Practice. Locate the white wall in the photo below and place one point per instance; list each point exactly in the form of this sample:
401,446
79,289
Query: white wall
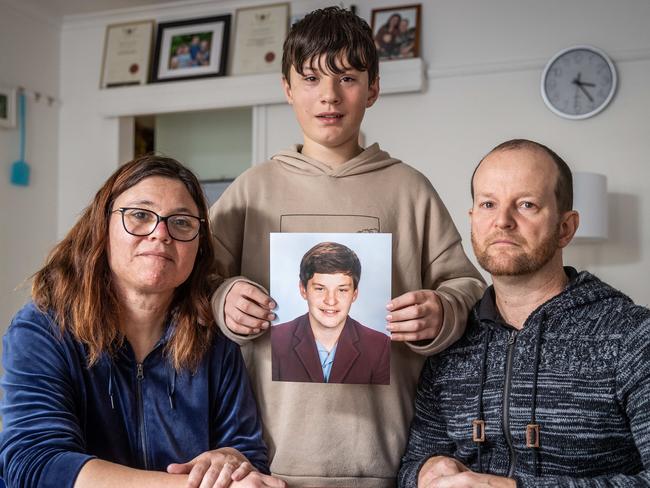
30,58
485,60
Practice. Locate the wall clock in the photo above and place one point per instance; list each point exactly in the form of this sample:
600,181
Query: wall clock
578,82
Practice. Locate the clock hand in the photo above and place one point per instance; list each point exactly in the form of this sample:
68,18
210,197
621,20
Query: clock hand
584,90
584,83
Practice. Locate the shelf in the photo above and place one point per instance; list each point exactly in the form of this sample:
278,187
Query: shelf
400,76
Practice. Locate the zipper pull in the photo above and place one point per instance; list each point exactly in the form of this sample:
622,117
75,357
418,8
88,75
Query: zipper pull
512,335
140,374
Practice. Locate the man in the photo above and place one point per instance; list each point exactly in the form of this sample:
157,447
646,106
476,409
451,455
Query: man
550,385
326,345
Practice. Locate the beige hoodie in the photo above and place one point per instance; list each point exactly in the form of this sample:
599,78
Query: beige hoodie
336,434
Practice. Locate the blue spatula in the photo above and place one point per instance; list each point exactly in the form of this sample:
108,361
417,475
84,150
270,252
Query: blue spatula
20,168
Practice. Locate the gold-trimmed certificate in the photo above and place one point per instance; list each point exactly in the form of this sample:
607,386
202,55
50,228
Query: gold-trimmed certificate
127,50
259,35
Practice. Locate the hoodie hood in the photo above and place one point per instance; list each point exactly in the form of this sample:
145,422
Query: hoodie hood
371,159
583,289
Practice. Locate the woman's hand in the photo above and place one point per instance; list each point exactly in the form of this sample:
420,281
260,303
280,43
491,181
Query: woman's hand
214,469
258,480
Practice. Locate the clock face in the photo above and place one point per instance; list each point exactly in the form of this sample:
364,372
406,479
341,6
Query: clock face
578,82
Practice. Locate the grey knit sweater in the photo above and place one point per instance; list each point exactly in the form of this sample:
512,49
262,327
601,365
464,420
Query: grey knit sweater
579,368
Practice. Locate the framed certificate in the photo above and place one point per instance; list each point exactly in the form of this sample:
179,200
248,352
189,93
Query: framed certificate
191,48
127,50
259,35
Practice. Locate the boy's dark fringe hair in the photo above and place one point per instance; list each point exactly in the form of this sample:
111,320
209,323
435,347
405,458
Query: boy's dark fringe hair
330,258
337,33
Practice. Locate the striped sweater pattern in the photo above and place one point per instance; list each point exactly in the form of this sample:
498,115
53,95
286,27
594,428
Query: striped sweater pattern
579,368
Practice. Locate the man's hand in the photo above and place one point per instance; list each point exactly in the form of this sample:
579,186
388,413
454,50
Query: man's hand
469,479
257,480
214,469
415,316
436,467
247,309
446,472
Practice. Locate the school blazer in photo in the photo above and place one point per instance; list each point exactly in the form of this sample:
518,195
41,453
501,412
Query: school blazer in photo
362,354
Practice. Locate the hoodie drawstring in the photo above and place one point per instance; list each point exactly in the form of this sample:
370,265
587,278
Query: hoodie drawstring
533,428
478,425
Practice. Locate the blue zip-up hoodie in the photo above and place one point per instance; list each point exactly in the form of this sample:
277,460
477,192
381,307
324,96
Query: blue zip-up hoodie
58,413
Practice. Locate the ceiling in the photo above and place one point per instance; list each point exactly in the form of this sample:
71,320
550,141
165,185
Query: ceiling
70,7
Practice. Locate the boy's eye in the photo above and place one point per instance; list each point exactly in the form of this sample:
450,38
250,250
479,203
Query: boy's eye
347,79
309,78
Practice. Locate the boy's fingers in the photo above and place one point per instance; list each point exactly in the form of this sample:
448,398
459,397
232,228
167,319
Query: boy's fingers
416,325
411,336
405,300
242,289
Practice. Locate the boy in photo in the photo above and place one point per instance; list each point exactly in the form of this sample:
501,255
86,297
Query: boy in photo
339,435
326,345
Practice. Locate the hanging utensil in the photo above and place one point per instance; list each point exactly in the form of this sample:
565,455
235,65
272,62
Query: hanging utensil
20,168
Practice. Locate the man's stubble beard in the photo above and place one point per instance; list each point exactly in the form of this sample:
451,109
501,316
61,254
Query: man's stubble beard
519,264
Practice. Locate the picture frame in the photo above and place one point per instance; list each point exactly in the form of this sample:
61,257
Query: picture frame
213,189
127,54
396,31
191,48
259,35
7,108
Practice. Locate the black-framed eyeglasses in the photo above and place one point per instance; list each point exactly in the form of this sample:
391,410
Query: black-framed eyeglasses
142,222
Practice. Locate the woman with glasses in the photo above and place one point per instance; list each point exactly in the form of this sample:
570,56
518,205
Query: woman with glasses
115,374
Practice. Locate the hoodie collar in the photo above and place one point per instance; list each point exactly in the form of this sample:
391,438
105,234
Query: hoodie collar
371,159
487,310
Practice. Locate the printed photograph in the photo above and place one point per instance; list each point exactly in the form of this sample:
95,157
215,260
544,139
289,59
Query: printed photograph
331,290
397,31
190,50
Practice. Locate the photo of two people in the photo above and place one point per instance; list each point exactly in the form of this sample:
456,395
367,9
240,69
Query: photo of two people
315,280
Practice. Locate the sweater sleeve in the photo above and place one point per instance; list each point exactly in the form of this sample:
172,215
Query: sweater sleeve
428,435
446,270
227,221
237,423
42,444
633,391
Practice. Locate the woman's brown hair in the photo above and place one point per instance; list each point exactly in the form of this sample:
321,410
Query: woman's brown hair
75,283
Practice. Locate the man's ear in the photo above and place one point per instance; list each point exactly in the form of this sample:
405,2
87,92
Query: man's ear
568,226
303,292
286,88
373,93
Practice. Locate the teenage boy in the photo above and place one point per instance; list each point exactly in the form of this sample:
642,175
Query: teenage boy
326,345
339,435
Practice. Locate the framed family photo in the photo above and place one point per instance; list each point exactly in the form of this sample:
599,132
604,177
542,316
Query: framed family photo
396,31
192,48
7,108
127,52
